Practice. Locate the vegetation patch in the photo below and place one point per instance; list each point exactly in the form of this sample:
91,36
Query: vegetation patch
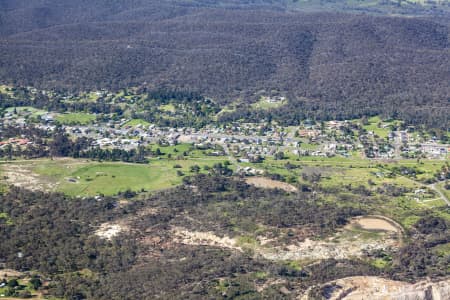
75,118
136,122
266,103
168,108
270,184
6,219
85,178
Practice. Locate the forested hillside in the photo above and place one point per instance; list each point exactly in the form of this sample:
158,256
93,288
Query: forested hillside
66,241
341,65
404,7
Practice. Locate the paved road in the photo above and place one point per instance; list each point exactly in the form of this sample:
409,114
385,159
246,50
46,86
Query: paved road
437,190
231,158
433,187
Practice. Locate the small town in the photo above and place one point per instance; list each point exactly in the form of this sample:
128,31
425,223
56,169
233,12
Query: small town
225,149
250,142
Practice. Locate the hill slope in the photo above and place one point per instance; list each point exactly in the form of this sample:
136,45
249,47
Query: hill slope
341,62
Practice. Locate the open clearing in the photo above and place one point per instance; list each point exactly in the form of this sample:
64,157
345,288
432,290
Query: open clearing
75,118
181,235
77,177
266,103
108,231
374,223
377,288
346,243
136,122
270,184
377,177
24,177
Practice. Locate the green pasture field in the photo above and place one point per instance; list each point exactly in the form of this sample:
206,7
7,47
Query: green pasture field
4,89
136,122
338,172
89,178
26,109
373,126
75,118
441,187
177,151
265,105
168,107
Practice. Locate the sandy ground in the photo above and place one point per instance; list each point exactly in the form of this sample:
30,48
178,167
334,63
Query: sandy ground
183,236
377,288
5,273
344,244
318,250
270,184
376,223
108,230
23,177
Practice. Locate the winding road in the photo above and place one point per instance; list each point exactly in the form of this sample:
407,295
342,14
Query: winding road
437,190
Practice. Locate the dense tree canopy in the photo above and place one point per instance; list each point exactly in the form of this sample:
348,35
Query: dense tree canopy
328,65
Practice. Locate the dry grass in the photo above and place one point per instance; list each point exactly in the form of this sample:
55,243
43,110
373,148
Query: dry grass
270,184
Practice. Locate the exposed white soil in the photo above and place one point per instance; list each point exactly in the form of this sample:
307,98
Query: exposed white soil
344,244
21,176
109,231
317,250
5,273
263,182
183,236
376,288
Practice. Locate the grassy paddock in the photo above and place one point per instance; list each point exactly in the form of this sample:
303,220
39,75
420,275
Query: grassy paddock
168,107
264,104
88,178
75,118
136,122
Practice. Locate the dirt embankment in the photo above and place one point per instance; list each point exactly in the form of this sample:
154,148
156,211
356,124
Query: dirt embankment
187,237
360,237
109,230
5,273
376,288
376,224
23,176
267,183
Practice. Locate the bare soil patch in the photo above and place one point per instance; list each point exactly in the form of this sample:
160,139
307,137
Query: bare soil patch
343,245
109,231
377,288
198,238
5,273
23,176
333,248
270,184
374,223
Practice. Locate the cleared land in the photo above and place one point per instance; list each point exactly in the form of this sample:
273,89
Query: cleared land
108,231
136,122
351,241
378,127
75,118
88,178
371,223
376,288
266,103
270,184
167,108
